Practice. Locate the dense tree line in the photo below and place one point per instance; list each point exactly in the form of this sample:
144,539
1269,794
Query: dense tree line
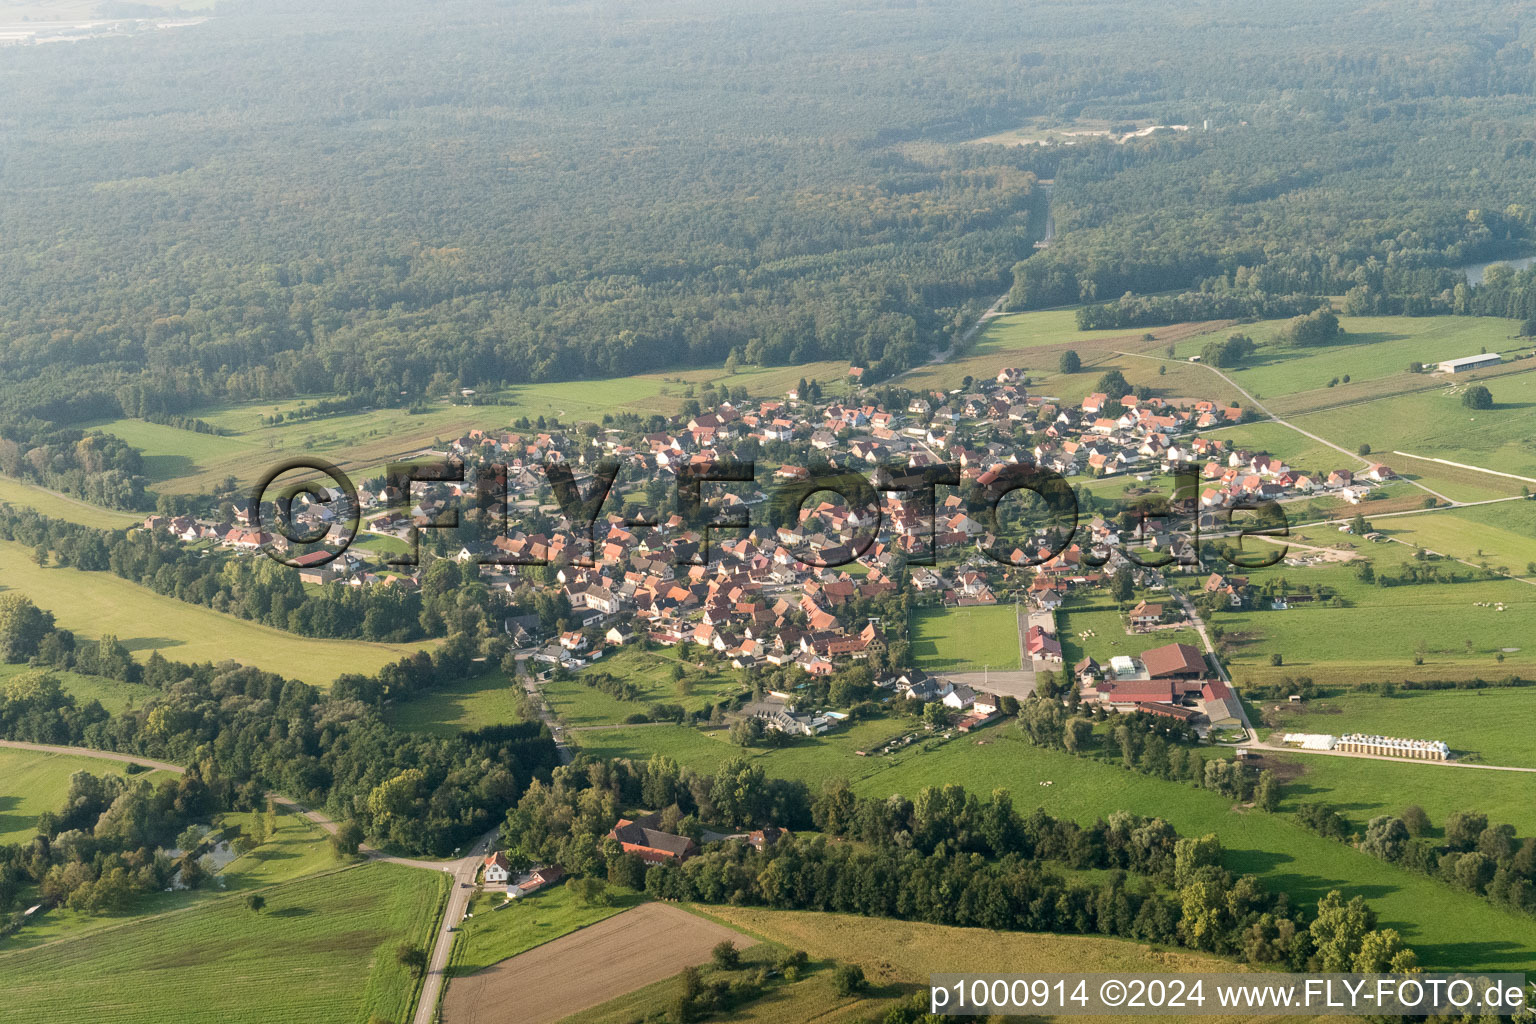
946,856
104,845
1489,860
333,750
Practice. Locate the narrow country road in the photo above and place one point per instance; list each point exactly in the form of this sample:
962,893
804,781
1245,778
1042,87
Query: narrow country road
1210,649
463,882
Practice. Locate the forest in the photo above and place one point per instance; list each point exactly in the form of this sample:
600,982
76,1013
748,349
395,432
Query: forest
314,209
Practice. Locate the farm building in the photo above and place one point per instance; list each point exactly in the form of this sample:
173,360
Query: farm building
1310,740
646,840
1466,363
1174,661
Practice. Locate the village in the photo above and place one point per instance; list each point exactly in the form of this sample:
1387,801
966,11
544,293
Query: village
801,595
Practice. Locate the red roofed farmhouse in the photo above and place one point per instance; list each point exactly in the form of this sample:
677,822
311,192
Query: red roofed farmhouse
642,838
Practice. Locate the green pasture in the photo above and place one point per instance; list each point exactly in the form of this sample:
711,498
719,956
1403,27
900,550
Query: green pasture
32,782
99,603
322,951
1491,726
966,639
491,699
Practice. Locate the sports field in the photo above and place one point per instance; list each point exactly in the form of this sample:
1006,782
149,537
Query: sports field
966,639
99,603
323,951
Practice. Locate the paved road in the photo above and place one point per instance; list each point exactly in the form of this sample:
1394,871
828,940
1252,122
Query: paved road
1281,748
458,902
1210,649
531,687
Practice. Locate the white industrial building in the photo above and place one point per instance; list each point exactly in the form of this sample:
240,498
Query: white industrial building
1466,363
1360,743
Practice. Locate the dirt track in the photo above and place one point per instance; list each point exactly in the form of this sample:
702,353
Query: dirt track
588,967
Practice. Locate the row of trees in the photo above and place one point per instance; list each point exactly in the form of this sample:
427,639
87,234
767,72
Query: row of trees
948,857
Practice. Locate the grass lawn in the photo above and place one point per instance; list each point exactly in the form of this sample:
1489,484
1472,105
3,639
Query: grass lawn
578,704
1109,638
491,699
98,603
1435,424
493,935
59,506
298,848
966,639
1455,627
32,782
1501,535
1492,725
323,951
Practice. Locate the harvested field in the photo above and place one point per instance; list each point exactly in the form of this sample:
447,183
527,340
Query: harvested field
588,967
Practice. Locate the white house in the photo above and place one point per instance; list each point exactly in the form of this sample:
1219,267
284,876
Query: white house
497,869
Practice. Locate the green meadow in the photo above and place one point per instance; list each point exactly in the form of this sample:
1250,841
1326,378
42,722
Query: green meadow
1448,928
61,506
32,782
1372,348
578,704
1501,535
1456,630
1491,726
99,603
296,849
966,639
491,699
184,461
323,951
1435,424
